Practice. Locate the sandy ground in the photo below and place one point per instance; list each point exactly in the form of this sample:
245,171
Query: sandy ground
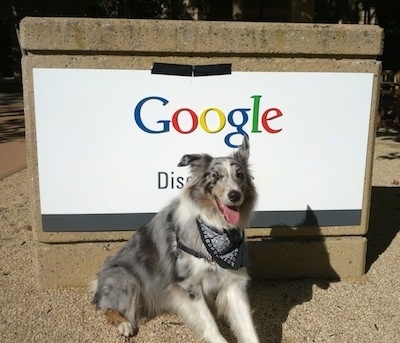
365,310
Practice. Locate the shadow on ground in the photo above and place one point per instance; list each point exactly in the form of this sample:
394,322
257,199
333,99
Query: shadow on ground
389,132
12,122
272,301
384,221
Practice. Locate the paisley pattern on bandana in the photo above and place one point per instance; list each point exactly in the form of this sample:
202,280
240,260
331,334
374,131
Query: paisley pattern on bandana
227,249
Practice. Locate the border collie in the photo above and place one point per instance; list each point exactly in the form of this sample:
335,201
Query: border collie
192,254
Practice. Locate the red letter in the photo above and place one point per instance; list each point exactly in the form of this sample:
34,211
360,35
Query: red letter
264,119
175,123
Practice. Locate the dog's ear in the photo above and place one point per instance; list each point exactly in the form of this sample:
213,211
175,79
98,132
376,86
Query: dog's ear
196,162
244,151
188,160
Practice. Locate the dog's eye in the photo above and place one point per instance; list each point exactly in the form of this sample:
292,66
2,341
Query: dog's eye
239,175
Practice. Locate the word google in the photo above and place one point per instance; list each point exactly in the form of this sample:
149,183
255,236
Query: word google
237,119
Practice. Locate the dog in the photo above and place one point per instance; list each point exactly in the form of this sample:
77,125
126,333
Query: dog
192,252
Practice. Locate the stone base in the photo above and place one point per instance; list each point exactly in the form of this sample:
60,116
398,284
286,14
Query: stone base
71,265
329,258
325,258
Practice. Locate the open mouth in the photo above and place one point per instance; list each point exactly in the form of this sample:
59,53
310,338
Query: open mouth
231,213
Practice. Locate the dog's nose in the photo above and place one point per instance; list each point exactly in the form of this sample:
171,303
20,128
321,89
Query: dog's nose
234,196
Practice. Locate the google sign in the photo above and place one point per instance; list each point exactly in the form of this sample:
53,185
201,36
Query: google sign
236,122
109,142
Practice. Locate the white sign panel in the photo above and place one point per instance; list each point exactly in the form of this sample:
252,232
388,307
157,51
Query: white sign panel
109,142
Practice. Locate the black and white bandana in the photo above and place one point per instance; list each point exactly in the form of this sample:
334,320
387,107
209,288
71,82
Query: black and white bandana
227,249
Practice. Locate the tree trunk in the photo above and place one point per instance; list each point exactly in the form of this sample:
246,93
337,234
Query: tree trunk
237,9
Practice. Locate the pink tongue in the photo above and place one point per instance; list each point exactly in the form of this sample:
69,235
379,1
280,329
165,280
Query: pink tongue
231,215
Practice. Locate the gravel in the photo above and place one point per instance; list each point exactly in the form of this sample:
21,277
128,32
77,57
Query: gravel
364,310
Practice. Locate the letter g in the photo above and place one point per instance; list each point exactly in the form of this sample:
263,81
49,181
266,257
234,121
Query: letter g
138,115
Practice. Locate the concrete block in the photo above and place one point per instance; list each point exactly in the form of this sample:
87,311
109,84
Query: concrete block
47,35
73,258
71,265
76,265
326,258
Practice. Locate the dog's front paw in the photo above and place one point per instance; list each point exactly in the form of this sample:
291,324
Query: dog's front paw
126,329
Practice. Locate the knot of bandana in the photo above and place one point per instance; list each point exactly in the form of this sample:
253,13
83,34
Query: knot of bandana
228,249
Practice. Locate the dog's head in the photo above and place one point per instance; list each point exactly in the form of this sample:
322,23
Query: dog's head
222,186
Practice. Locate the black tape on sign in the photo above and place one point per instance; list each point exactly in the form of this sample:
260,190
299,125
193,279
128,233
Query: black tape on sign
212,69
188,70
172,69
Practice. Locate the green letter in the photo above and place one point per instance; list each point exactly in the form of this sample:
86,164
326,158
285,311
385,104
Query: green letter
256,111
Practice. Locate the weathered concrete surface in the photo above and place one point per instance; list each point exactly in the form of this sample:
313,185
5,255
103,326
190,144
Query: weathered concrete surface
76,265
196,38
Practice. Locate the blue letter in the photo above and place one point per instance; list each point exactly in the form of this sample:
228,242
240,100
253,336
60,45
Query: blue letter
238,126
138,117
